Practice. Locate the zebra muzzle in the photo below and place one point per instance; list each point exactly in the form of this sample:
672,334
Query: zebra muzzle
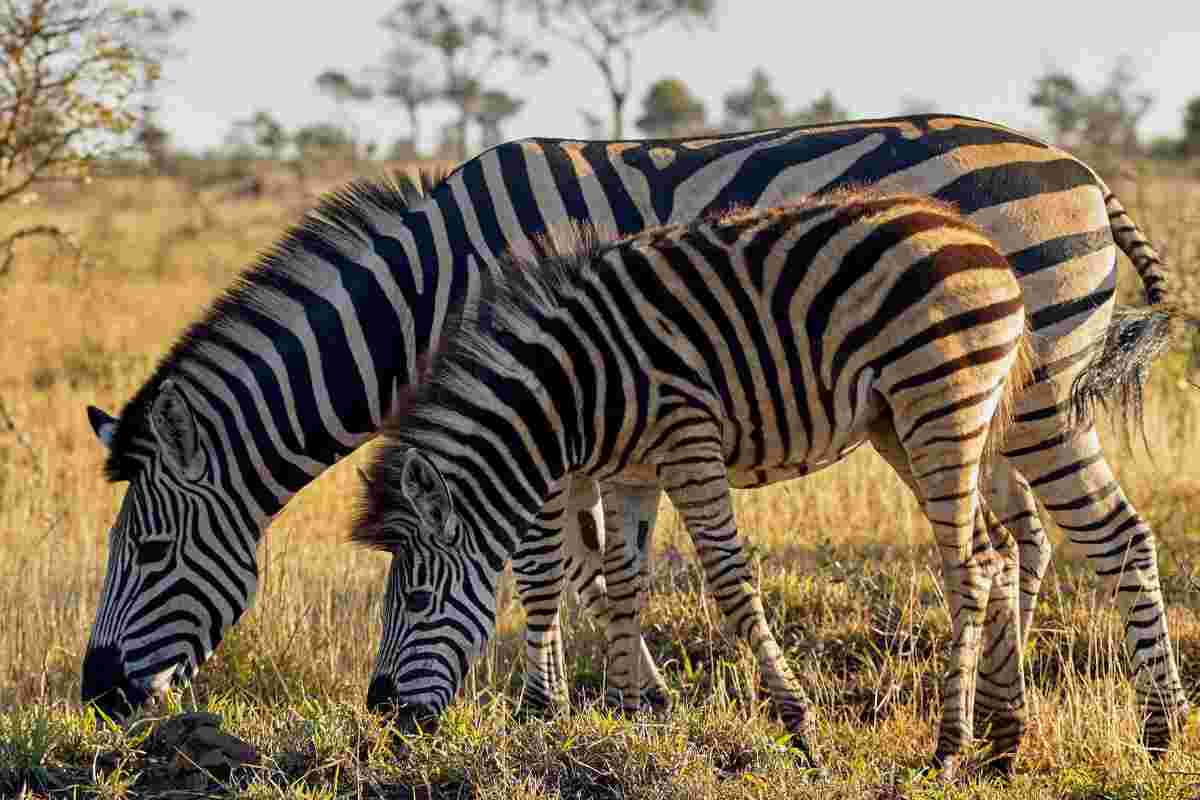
106,686
408,718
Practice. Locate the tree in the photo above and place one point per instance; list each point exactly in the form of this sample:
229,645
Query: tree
157,29
1191,127
338,85
471,48
323,141
1062,101
824,109
1107,118
670,109
605,30
494,108
754,107
262,132
71,74
404,81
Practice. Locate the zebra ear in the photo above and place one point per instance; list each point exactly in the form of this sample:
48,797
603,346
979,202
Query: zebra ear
426,489
174,427
104,425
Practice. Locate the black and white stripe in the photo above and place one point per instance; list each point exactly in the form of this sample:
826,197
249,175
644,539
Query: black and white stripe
297,364
758,340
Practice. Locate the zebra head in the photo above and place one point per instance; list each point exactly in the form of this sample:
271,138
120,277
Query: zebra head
440,604
181,557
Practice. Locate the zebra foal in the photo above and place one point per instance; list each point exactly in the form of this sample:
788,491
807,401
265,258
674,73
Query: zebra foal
759,340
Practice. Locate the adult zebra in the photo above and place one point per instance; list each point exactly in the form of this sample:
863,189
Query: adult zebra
773,339
242,411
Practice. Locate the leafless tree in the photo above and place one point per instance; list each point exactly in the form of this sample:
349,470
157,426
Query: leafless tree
605,30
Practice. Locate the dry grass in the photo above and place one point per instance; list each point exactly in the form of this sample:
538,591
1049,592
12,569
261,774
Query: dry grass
846,569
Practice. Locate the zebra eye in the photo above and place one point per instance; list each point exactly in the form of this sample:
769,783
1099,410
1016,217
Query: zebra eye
418,600
153,551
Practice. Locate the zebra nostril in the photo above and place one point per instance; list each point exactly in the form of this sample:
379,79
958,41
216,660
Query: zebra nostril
413,717
104,684
381,695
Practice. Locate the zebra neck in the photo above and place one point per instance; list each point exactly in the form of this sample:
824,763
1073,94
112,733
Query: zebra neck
300,363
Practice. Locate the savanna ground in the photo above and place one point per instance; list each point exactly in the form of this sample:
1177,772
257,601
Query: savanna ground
847,572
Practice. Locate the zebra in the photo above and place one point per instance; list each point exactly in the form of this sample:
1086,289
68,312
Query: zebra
298,363
775,338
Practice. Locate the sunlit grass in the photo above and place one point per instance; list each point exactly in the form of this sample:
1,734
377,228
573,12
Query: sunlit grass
848,578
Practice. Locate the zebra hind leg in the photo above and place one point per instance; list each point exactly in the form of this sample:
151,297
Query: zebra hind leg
1076,485
630,516
1000,685
586,542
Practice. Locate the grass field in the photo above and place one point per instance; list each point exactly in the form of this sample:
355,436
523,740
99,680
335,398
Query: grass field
848,577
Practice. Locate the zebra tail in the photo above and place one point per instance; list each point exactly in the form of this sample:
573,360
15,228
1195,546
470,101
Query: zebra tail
1115,377
1019,376
1133,243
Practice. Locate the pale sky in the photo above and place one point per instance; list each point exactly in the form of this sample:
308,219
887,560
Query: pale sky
972,58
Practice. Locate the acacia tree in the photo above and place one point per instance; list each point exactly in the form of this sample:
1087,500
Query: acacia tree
338,85
71,75
403,79
494,108
471,48
605,30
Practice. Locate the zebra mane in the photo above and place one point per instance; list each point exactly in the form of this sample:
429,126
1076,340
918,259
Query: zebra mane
525,288
530,287
342,217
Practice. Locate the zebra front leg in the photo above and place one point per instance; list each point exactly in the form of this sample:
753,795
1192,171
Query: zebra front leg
698,487
540,578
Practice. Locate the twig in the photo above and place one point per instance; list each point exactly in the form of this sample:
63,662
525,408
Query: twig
64,240
7,425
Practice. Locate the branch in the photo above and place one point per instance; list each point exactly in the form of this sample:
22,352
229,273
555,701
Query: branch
64,240
8,426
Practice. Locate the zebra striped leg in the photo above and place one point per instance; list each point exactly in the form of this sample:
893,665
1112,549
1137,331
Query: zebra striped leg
1013,502
632,675
585,541
541,579
1000,684
698,486
1075,483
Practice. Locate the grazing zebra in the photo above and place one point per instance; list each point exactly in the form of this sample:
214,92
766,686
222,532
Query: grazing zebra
773,339
298,363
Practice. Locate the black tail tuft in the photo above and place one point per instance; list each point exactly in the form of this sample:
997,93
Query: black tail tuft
1116,375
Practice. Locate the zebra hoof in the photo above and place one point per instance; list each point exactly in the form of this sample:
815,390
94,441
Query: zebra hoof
1001,766
657,700
802,754
531,709
949,767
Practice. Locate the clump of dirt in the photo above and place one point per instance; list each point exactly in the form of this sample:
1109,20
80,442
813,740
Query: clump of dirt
190,753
